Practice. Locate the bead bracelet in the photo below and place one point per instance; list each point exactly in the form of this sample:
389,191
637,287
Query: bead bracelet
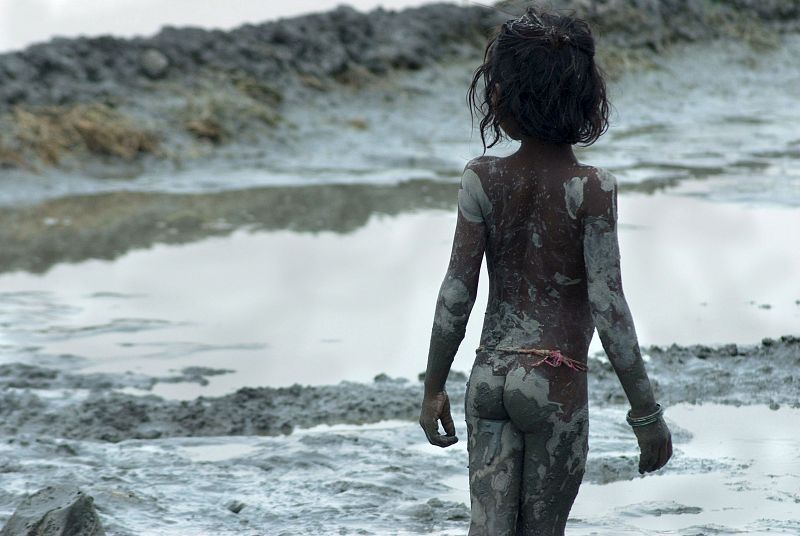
647,419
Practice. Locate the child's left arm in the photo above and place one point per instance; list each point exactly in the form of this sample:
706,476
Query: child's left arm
456,297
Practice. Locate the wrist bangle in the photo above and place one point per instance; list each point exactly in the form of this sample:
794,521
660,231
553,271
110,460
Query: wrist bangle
647,419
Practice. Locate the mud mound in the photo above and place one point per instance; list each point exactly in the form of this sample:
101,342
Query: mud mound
198,89
763,374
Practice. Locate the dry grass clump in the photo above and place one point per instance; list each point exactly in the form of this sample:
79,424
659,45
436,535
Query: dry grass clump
311,81
257,90
205,120
216,117
207,128
53,132
10,157
358,123
229,106
616,61
354,75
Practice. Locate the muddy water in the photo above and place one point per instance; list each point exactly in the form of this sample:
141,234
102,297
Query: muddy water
724,479
756,494
323,264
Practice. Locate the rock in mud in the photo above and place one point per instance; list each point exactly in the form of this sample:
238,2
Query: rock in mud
55,511
154,63
235,506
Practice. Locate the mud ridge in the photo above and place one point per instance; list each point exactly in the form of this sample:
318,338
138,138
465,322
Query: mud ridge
727,374
128,105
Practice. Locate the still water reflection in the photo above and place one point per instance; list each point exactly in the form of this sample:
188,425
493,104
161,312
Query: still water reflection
284,306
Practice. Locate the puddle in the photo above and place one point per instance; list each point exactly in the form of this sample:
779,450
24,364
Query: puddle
745,478
280,307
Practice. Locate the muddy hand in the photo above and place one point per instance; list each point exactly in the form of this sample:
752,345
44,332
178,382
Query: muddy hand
655,443
437,408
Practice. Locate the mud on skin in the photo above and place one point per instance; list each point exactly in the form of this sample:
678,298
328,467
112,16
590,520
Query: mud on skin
549,236
553,276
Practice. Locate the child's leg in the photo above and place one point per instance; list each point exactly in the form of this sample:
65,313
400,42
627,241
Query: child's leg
555,450
495,457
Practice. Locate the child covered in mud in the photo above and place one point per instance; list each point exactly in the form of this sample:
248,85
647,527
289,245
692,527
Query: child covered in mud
548,226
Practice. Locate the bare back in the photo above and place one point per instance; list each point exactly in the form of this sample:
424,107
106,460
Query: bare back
547,227
538,294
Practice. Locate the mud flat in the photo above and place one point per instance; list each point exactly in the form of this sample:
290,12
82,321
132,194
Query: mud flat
134,456
44,402
111,107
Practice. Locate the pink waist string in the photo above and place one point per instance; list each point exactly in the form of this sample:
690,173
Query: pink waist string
554,358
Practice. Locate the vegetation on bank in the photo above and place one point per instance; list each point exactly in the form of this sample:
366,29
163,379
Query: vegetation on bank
49,134
186,91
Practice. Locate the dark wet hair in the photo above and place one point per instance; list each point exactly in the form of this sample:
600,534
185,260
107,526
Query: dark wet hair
549,84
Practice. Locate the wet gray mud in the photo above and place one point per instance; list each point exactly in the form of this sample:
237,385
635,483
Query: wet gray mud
241,154
170,467
727,374
53,511
340,480
45,401
342,44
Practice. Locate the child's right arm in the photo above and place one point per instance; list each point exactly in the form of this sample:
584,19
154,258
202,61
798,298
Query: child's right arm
613,319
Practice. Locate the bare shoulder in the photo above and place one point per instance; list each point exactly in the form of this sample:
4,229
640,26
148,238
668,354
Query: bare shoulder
599,192
599,180
473,201
483,166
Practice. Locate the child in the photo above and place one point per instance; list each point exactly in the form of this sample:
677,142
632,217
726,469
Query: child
548,226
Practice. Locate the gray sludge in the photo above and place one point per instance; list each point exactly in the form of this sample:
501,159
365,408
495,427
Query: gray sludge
766,373
55,511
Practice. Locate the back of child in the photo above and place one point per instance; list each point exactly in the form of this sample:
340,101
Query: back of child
547,226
